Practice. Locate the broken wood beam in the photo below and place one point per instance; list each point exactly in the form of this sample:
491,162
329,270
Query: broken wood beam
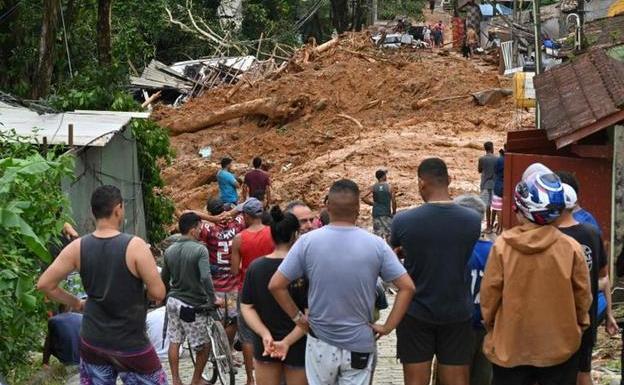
273,108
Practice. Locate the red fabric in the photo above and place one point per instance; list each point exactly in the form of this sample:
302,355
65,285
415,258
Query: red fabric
144,361
254,245
257,180
218,240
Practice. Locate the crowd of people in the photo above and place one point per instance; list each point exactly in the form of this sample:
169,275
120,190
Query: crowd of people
301,291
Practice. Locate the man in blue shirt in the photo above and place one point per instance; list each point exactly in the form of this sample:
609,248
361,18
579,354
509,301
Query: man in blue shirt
480,367
228,183
580,214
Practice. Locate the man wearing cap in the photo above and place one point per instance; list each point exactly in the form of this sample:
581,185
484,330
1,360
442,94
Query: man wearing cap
218,237
252,243
591,242
383,202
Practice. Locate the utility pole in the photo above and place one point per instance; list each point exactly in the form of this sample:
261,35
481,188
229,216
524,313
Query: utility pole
514,38
538,53
580,11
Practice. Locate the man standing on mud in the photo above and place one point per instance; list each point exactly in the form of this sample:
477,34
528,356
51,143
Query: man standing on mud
228,183
257,183
116,270
384,204
437,240
487,169
342,263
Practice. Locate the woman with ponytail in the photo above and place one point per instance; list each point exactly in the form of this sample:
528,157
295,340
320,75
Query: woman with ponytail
279,345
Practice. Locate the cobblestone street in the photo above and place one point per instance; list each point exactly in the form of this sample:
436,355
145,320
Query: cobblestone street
388,369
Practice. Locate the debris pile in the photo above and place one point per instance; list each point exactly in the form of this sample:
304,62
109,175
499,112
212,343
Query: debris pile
341,109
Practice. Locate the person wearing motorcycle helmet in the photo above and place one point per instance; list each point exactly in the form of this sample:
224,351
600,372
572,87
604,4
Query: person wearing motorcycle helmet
534,325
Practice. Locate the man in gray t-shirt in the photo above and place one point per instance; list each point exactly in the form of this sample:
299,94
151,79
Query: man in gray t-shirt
487,169
342,263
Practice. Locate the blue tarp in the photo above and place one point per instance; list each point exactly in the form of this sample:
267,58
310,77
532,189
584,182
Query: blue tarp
488,11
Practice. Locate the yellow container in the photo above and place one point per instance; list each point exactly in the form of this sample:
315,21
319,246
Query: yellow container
523,91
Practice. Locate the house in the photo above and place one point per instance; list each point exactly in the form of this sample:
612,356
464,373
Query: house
582,120
105,152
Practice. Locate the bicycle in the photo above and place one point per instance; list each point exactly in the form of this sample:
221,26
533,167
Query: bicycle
222,363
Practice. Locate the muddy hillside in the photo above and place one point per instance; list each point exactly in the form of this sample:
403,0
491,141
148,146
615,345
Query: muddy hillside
341,110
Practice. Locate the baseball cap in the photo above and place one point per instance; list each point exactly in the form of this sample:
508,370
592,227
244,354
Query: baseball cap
251,206
569,196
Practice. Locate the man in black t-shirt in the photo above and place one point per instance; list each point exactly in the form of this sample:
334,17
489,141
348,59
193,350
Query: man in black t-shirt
437,240
591,242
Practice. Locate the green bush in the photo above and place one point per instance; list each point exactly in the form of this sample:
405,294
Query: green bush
33,209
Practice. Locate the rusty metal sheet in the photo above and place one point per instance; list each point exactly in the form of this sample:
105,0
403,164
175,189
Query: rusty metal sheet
594,176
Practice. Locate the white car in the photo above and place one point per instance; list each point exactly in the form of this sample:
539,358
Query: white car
392,40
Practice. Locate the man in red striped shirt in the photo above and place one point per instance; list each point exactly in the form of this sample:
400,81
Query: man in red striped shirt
218,240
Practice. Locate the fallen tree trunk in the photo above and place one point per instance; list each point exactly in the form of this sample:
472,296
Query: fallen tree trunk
327,45
272,108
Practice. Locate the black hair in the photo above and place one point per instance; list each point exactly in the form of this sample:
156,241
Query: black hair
488,146
380,174
215,206
344,186
258,194
257,162
324,217
501,152
187,222
569,178
226,162
266,218
103,201
284,226
434,169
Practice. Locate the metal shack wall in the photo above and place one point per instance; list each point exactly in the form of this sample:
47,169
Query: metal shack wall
594,176
115,164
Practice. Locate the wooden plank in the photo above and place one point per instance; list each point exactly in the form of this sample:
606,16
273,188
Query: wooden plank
590,129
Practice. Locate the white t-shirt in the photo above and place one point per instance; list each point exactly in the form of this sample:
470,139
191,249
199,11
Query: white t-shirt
155,323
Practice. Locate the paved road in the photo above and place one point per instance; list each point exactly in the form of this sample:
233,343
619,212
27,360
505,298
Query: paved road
388,369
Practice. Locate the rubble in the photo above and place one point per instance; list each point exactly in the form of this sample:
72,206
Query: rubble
345,109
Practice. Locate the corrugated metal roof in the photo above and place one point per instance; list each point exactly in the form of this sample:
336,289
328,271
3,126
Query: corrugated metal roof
579,93
91,128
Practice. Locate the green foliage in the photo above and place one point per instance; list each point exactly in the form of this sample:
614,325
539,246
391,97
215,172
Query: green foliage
153,149
389,9
32,212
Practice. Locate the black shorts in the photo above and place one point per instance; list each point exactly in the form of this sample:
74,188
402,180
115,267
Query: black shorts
294,359
419,341
562,374
585,351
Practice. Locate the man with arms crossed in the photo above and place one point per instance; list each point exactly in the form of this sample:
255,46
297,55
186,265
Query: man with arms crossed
437,240
116,270
342,263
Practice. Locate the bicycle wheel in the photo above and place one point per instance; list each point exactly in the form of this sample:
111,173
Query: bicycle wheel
223,363
210,373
